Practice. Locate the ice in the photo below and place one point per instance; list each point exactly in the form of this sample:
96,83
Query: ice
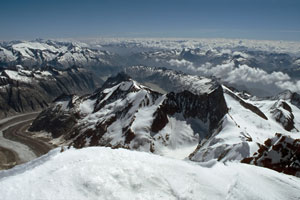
24,152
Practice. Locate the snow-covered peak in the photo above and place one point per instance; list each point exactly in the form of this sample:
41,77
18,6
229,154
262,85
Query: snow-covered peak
41,53
285,95
20,74
247,125
124,113
24,47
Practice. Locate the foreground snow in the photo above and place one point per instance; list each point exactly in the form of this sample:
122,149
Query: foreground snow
103,173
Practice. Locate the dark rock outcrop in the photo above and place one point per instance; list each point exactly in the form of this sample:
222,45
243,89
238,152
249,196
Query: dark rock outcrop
281,153
283,114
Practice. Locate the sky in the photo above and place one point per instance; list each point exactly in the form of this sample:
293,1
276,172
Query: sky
248,19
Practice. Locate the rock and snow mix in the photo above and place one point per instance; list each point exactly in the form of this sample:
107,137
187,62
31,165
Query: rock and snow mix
231,126
247,125
124,113
29,76
26,90
281,153
41,53
104,173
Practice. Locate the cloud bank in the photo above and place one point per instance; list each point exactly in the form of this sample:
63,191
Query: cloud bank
255,80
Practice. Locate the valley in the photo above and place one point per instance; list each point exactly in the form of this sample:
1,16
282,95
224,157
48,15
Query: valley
17,146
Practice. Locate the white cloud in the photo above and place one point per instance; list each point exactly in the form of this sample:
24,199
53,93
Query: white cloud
204,43
182,63
254,79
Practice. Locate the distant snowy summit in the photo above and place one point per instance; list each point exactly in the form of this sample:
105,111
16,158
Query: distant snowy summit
40,53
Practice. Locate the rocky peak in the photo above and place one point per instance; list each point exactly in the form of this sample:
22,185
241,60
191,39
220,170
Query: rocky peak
283,114
295,99
288,95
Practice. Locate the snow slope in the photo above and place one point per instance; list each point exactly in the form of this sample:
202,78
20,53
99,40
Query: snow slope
243,130
104,173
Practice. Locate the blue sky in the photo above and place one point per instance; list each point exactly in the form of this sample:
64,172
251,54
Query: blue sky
252,19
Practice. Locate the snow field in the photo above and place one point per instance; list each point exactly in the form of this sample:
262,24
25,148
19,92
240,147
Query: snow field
104,173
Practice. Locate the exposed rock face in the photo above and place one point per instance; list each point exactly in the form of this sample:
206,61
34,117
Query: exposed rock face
295,99
23,90
280,153
56,120
125,114
283,114
209,108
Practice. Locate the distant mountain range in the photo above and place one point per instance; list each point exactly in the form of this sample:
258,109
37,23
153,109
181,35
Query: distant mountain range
277,70
38,54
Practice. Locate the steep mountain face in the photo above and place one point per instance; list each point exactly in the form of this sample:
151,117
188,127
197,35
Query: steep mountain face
292,97
282,113
124,113
248,124
280,153
24,90
40,53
